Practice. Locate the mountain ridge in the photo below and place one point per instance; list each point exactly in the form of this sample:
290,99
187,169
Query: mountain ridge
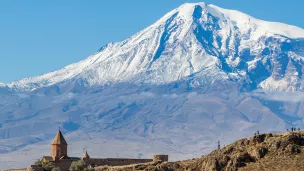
190,79
140,64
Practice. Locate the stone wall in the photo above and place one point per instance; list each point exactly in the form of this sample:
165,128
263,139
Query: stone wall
115,161
59,150
65,164
162,158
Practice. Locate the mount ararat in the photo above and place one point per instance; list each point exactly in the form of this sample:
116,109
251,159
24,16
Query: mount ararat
198,75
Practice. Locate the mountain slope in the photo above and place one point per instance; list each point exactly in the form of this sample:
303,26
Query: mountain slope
188,80
262,152
198,40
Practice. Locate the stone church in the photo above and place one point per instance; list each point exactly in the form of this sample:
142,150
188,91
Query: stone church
59,157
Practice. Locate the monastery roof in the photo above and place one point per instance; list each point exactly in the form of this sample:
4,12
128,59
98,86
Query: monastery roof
59,139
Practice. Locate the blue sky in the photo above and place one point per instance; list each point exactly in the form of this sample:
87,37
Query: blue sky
42,36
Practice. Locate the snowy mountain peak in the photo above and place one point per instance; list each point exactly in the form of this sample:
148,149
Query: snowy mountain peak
196,40
186,77
186,11
243,20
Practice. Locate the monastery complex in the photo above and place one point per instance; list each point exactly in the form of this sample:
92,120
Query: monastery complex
59,157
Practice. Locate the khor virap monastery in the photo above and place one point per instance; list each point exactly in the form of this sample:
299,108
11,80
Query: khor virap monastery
59,156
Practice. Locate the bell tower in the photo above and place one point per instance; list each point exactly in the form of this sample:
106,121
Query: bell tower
59,147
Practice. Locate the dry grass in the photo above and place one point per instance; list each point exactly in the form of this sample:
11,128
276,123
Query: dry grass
263,152
286,163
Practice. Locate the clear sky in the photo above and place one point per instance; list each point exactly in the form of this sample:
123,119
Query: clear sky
42,36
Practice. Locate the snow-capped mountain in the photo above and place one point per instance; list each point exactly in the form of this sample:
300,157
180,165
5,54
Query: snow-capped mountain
197,40
176,87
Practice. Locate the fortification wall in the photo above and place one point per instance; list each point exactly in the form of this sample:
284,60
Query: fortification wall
162,158
115,161
65,164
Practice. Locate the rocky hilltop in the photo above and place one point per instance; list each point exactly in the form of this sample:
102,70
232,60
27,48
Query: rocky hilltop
261,152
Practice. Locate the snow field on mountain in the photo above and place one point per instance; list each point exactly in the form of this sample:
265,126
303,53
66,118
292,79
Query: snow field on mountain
198,75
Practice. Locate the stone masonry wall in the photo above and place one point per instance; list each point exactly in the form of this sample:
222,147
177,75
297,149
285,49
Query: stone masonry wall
162,158
59,150
115,161
65,164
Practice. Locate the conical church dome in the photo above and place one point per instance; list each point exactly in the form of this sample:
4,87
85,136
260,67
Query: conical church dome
59,139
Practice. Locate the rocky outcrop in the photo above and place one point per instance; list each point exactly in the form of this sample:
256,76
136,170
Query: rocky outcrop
261,152
252,151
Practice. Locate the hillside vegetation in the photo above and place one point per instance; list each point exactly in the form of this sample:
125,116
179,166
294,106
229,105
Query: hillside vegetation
261,152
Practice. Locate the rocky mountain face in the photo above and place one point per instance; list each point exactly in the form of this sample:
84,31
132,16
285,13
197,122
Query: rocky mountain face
199,74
